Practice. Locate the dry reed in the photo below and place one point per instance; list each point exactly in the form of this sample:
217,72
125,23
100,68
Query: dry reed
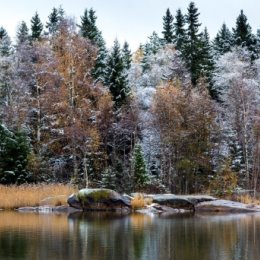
140,202
34,195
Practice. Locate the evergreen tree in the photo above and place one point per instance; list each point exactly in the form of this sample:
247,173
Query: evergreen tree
179,30
108,180
127,56
14,150
99,70
36,27
22,34
140,173
168,27
242,31
5,43
116,78
206,61
223,41
192,43
3,32
55,18
88,28
145,60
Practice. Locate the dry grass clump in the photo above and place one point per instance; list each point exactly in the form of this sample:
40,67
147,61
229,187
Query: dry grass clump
140,202
246,199
34,195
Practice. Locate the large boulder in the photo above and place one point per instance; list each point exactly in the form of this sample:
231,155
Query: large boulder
98,200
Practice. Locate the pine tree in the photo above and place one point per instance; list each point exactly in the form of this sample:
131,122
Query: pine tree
116,78
14,150
223,41
99,70
168,27
108,179
206,61
243,36
36,27
140,174
55,18
127,56
190,50
22,34
242,31
5,43
88,28
179,30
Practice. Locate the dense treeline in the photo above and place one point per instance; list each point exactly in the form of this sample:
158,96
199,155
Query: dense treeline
181,114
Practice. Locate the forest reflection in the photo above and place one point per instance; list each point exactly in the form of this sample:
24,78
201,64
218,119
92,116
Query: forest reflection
113,236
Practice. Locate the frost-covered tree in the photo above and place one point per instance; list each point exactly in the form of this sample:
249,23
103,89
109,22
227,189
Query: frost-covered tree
168,27
236,81
116,78
36,27
54,20
223,41
14,151
22,33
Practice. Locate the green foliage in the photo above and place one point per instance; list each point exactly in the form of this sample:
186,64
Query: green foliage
140,174
36,27
223,40
168,27
179,36
14,150
55,19
192,43
225,181
127,57
108,180
116,77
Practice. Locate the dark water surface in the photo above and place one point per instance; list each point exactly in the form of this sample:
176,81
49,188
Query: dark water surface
134,237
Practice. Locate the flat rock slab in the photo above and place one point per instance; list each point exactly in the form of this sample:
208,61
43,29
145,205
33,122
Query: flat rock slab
225,206
185,202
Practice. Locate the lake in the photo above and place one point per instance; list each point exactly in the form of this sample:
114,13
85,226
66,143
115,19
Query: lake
96,236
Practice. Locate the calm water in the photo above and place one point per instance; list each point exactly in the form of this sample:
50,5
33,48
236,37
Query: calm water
136,237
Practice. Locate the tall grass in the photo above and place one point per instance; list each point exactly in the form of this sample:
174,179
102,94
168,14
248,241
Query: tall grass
12,197
140,202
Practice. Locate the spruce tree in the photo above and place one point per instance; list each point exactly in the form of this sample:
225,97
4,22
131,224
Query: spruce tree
223,41
14,150
127,56
36,27
243,36
5,43
206,61
242,32
88,28
168,27
99,70
108,179
139,168
179,30
116,77
22,34
192,43
55,19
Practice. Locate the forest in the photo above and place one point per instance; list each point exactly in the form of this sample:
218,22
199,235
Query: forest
180,114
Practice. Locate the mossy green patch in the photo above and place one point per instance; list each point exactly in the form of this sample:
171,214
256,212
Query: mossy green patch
94,195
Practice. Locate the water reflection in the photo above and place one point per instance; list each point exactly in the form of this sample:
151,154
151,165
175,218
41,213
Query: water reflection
99,236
